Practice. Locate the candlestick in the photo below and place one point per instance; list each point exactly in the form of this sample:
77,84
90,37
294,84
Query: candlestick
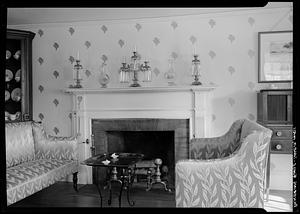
78,55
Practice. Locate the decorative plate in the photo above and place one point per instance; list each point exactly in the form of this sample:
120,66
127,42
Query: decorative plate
8,54
18,114
13,116
8,75
7,95
6,115
17,54
18,75
16,94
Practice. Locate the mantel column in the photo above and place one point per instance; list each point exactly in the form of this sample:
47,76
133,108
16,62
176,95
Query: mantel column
202,115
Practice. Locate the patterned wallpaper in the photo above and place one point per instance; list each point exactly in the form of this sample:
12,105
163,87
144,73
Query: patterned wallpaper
226,44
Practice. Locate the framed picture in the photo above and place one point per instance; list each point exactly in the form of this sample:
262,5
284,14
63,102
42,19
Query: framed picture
275,56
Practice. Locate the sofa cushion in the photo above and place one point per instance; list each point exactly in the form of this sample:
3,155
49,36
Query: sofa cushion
30,177
19,143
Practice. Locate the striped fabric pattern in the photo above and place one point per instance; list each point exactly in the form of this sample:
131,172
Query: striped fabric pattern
19,143
35,160
30,177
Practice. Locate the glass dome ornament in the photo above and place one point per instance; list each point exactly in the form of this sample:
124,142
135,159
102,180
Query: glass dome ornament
196,70
104,77
170,75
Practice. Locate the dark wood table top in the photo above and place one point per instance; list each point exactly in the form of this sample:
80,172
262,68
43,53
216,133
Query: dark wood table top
123,160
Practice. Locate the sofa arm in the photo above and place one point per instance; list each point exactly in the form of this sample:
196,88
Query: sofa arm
46,146
217,183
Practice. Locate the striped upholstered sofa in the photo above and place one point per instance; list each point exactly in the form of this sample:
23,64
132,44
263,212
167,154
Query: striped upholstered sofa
35,160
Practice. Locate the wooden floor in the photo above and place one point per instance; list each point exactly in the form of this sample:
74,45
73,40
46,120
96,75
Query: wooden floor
62,194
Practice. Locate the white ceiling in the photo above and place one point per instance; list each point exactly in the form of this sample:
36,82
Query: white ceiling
20,16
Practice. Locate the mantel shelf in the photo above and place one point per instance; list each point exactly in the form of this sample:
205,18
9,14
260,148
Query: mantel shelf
140,89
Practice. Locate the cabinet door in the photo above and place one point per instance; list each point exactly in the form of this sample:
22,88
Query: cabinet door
18,75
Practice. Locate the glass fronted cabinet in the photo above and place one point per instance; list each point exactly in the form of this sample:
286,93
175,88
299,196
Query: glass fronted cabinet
18,75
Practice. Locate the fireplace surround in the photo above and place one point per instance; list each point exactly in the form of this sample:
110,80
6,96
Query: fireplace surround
185,110
111,131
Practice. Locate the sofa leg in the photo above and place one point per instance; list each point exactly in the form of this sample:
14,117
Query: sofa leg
75,179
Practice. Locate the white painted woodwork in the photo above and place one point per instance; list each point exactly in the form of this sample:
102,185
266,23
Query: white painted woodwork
181,102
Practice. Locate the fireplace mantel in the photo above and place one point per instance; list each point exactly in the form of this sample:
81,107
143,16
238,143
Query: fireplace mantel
171,102
140,89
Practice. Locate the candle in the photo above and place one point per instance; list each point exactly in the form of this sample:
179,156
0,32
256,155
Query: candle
134,48
124,59
194,50
77,55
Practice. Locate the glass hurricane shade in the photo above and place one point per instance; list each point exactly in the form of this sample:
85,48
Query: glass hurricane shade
196,66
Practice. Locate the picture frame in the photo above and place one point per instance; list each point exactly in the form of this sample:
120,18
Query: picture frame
275,56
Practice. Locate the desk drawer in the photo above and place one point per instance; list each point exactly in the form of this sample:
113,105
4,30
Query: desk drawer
281,133
281,147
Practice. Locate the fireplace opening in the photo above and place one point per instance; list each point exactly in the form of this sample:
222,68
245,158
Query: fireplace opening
167,139
153,144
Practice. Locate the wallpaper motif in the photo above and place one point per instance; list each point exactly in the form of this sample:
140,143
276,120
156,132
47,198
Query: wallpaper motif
193,39
71,30
71,59
251,53
251,21
226,47
156,41
104,28
40,60
212,23
121,43
174,25
56,46
212,54
231,70
55,74
156,71
40,32
138,27
87,44
231,38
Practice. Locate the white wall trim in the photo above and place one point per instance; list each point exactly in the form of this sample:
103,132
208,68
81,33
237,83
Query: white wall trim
243,12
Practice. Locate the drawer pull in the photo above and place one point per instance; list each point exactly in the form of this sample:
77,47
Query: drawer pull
278,147
279,133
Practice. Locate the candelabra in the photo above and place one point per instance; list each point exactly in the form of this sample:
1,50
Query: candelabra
77,68
134,68
196,70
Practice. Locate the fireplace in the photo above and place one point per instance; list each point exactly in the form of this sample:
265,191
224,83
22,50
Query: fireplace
182,109
167,139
